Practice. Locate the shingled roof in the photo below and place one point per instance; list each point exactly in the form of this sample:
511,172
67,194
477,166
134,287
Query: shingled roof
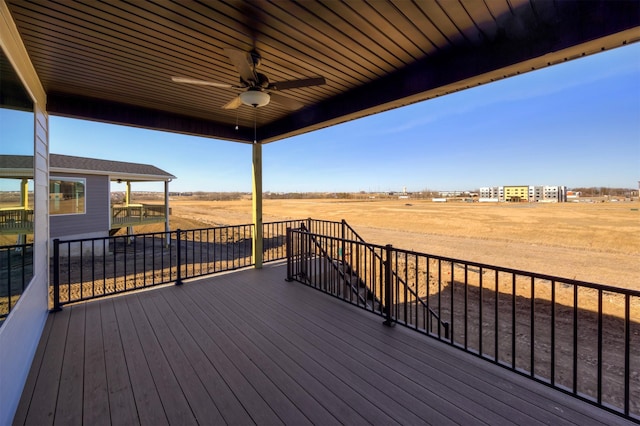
118,169
81,165
16,166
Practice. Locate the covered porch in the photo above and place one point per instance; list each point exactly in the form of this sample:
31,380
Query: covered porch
127,214
16,220
248,347
137,214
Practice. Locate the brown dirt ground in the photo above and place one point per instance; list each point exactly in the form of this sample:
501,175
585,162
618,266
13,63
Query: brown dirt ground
597,242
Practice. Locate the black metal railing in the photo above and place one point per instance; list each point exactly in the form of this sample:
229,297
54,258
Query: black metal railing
16,271
578,337
274,236
90,268
352,242
85,269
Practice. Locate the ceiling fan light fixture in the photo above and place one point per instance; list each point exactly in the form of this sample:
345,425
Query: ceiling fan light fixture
255,98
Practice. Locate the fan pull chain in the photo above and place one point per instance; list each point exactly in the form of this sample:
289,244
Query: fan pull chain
255,132
236,119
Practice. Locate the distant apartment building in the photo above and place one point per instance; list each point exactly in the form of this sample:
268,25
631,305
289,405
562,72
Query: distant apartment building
536,193
524,193
489,192
516,194
556,194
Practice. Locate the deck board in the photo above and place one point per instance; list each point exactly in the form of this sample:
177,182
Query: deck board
400,391
440,363
219,393
333,351
96,394
45,393
174,402
256,407
122,407
249,348
69,404
32,378
244,360
195,393
444,380
146,397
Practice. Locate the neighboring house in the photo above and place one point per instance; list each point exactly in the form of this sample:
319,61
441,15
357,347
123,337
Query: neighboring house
79,197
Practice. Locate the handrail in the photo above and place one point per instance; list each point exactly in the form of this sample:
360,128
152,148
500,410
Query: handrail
341,271
395,275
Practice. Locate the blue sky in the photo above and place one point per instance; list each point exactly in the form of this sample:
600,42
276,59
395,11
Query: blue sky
574,124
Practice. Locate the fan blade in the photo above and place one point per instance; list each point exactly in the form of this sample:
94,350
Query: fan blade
288,103
200,82
233,103
292,84
243,63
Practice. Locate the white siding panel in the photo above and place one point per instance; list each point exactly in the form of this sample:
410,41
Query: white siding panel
20,333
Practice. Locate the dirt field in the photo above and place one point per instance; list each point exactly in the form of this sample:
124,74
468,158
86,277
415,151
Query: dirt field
597,242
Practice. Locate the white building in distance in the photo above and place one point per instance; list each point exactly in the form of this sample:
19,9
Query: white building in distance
524,193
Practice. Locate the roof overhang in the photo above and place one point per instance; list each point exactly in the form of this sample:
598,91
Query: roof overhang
124,177
113,62
20,167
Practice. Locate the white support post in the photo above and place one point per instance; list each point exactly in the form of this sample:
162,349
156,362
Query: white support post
257,205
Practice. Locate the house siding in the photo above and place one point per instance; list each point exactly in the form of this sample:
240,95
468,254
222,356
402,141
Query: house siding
96,219
20,333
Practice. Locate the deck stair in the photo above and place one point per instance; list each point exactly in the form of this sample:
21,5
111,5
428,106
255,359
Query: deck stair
352,285
356,286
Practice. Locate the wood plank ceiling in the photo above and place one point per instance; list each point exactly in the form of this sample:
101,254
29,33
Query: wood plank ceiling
113,61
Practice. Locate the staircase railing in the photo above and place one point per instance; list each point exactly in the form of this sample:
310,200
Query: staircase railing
346,272
350,234
322,262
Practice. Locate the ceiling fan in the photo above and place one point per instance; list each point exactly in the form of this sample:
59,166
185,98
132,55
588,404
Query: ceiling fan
257,91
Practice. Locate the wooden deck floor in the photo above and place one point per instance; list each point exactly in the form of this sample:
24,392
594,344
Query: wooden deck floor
249,348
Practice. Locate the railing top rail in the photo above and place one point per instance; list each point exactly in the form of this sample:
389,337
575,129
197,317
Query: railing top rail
354,231
216,227
15,209
14,246
282,221
113,237
77,240
595,286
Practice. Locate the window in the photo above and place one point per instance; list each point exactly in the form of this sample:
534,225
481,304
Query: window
66,196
